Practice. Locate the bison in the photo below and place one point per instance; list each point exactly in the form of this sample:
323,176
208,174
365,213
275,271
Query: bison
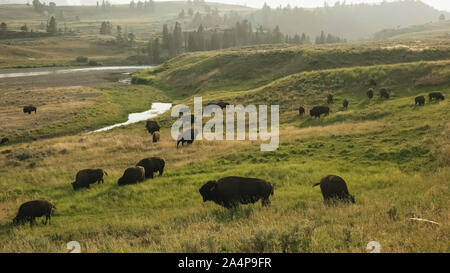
231,191
187,136
151,165
4,140
132,175
30,210
221,104
370,93
156,136
435,95
152,126
420,100
319,110
29,109
87,177
345,104
329,99
334,188
301,111
384,94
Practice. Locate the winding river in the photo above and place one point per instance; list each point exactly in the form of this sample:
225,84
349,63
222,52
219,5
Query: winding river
26,75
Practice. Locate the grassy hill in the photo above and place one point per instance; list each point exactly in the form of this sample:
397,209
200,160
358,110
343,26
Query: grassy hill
416,31
250,67
394,156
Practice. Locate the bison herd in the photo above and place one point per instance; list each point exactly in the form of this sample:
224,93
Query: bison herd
317,111
228,192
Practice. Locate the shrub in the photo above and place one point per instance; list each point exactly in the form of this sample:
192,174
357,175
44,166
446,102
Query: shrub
81,59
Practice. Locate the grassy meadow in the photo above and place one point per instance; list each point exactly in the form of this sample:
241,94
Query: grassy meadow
394,156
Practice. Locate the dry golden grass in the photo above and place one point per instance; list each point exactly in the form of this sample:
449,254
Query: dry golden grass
53,105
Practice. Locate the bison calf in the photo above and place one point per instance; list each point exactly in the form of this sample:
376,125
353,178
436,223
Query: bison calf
132,175
87,177
151,165
29,211
231,191
334,188
420,100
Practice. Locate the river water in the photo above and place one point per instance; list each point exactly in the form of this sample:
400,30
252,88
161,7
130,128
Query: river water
31,72
157,109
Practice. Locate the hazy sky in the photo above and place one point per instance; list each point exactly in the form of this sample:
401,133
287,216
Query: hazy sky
438,4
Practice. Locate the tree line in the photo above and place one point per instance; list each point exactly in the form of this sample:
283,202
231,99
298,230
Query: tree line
173,42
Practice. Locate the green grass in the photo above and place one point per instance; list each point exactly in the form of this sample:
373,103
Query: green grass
393,155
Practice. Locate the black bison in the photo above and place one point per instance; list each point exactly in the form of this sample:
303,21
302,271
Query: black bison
345,104
319,110
30,210
231,191
301,111
384,94
29,109
370,93
420,100
87,177
329,99
334,188
187,136
152,126
132,175
4,140
221,104
151,165
156,136
436,95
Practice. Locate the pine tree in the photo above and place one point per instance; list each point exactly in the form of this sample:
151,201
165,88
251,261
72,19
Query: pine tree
52,26
156,57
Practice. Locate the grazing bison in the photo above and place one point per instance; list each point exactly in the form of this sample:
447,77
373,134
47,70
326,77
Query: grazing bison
4,140
420,100
132,175
30,210
370,93
29,109
436,95
319,110
384,94
151,165
152,126
345,104
87,177
301,111
334,188
187,136
221,104
329,99
156,136
231,191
